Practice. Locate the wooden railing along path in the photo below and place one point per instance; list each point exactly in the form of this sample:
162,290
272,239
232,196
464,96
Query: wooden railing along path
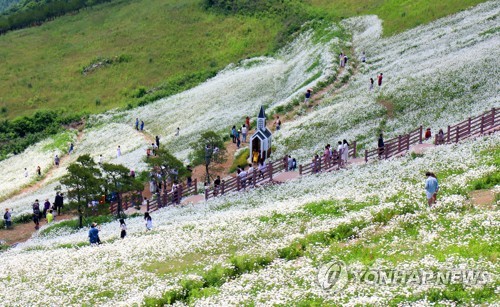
488,122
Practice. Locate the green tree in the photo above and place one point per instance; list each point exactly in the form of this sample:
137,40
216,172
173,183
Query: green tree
208,150
166,163
83,182
117,179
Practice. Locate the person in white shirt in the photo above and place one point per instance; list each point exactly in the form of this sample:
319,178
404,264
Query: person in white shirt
345,151
340,150
243,177
244,132
118,151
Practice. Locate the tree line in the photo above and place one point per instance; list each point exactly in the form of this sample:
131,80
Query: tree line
18,134
29,13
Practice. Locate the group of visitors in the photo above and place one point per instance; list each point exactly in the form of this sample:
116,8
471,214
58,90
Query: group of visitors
331,156
48,210
380,77
139,124
343,59
290,164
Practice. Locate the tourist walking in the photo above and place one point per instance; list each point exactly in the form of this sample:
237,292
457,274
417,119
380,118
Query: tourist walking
440,137
363,57
177,131
58,202
142,125
247,122
371,84
38,171
233,133
379,78
56,160
244,132
341,57
238,141
428,134
290,163
46,207
50,216
307,96
345,151
431,188
149,221
100,160
380,146
71,147
345,59
277,123
137,124
118,151
7,218
94,235
36,214
123,228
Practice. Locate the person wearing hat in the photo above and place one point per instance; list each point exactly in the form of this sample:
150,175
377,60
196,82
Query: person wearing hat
94,234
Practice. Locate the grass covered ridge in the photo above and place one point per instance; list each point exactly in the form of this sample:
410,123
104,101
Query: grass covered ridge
168,46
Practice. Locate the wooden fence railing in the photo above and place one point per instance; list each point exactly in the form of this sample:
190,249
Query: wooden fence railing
485,123
478,125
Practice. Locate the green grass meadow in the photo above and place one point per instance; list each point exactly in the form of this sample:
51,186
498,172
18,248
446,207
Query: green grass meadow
169,45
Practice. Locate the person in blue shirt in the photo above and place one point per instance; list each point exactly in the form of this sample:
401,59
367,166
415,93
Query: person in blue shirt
94,234
431,188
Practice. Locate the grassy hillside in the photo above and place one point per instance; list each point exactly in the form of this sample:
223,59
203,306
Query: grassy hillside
397,15
162,41
155,49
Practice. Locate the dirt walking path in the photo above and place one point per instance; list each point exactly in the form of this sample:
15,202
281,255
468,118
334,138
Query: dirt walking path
22,232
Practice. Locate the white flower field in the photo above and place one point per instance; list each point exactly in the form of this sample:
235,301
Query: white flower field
266,246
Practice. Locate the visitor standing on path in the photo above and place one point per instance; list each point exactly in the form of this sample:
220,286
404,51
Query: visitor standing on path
307,96
58,202
363,57
137,124
247,122
157,139
277,123
123,228
50,216
94,235
100,160
371,84
238,141
36,214
56,160
38,171
345,151
244,132
233,134
46,207
380,145
345,59
379,78
7,218
142,125
431,188
149,221
341,57
118,151
71,148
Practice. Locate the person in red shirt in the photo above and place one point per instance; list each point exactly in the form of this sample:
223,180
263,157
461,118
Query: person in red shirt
247,122
380,79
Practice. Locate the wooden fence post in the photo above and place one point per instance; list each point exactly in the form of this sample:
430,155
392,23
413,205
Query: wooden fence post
206,192
254,177
407,142
493,116
354,151
449,135
237,183
482,125
195,187
222,187
300,169
319,166
387,148
456,134
366,156
468,125
147,205
271,171
420,135
399,143
436,139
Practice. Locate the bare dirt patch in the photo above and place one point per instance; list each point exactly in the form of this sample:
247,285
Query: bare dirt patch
389,106
484,199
